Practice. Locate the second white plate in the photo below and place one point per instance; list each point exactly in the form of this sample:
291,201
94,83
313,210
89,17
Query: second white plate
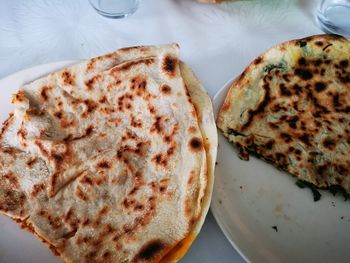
267,218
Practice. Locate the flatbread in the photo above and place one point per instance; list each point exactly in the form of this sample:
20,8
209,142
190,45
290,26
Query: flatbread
206,121
291,107
106,160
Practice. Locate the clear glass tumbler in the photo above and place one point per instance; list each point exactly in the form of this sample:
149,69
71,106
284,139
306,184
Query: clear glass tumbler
333,16
115,8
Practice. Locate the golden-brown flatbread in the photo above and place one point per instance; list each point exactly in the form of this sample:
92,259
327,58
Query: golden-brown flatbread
109,160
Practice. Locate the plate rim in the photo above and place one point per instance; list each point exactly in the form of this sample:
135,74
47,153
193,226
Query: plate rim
213,207
56,64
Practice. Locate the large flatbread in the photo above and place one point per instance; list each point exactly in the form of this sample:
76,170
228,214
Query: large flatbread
291,106
108,160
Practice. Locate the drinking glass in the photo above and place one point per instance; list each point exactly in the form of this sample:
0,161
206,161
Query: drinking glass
115,8
333,16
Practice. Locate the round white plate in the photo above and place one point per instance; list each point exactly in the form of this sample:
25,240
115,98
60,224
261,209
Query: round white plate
251,198
17,245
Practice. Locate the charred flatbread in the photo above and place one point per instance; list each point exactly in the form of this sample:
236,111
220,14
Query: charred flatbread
291,106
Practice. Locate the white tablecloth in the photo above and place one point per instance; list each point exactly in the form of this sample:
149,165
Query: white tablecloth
217,41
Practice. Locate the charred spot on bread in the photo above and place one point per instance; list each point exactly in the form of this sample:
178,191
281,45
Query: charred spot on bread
150,250
196,144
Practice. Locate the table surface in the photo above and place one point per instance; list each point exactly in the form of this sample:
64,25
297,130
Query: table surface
217,41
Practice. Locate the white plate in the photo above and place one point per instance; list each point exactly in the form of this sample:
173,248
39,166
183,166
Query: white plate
250,197
17,245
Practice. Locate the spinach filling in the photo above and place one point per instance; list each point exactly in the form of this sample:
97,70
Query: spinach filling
315,192
271,67
333,189
234,132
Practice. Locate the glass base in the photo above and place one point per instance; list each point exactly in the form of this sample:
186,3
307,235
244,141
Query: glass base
330,28
115,8
115,15
333,16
